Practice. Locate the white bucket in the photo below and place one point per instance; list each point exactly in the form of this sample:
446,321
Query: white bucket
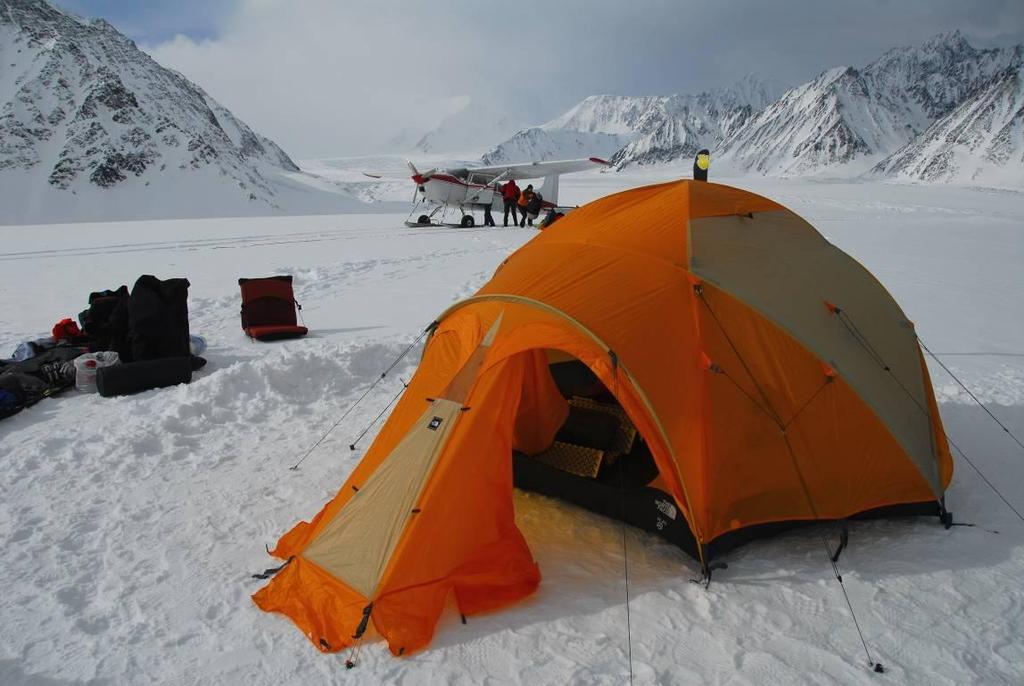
86,366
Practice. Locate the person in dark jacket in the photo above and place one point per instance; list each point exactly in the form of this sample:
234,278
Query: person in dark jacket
533,207
524,202
510,194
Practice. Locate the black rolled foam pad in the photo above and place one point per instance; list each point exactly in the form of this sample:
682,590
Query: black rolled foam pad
135,377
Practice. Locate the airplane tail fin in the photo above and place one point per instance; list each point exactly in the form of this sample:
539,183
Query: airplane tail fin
549,189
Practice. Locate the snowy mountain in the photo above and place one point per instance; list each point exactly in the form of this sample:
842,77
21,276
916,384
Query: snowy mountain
474,127
979,141
941,111
639,129
92,127
685,124
597,126
540,143
852,118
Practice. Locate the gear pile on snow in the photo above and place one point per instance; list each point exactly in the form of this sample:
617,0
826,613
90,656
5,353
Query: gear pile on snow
146,331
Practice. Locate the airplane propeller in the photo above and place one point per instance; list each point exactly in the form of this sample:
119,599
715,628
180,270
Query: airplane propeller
425,176
420,179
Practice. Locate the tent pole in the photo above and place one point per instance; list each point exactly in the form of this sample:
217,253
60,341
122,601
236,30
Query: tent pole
622,519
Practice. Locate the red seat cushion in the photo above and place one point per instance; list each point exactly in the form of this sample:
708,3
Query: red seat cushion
268,308
268,312
276,332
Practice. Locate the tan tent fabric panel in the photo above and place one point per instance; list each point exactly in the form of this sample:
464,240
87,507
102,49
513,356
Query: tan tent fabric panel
779,265
356,545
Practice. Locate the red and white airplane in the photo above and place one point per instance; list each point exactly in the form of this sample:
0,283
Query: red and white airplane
470,189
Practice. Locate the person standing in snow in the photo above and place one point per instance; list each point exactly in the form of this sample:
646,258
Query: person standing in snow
524,200
700,165
510,194
488,219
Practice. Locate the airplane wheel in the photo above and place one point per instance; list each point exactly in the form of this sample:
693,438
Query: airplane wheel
423,219
468,221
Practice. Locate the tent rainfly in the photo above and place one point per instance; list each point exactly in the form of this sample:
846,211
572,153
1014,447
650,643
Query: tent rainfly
771,377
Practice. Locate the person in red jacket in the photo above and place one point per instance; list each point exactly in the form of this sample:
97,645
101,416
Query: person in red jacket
510,194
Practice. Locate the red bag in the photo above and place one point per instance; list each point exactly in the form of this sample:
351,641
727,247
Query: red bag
66,328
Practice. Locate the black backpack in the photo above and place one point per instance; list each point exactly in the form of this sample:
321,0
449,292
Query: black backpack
105,322
158,314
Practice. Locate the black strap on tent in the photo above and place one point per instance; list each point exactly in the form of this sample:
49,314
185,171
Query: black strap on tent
833,556
267,573
944,515
946,518
353,658
844,540
706,571
364,622
430,327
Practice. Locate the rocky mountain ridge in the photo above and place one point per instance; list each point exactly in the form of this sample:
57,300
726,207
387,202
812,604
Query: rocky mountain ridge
83,109
940,111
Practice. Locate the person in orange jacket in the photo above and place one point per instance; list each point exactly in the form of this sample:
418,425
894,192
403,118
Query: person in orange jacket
524,199
510,194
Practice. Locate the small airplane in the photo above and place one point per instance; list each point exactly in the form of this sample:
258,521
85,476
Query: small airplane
476,188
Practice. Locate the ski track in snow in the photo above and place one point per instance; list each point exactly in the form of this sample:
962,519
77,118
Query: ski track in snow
131,525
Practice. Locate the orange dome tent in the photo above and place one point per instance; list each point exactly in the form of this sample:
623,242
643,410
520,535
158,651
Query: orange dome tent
771,376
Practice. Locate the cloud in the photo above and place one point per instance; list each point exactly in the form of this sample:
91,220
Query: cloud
327,78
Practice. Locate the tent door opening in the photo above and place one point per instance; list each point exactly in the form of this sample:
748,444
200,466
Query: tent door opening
599,461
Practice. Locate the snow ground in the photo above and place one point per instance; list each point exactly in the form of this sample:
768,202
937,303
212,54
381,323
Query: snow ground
28,198
131,525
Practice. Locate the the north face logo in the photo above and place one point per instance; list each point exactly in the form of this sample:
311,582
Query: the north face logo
434,423
666,508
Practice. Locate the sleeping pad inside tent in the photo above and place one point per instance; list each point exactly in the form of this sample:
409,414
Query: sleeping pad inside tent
691,349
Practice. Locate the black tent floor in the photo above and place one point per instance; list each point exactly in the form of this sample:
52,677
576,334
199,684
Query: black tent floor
656,511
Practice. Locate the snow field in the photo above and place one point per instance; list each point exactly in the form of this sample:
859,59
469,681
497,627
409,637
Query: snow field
132,525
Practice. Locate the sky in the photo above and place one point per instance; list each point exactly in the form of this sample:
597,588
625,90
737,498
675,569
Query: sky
330,78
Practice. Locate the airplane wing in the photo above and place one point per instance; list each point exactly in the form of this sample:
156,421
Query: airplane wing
536,170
